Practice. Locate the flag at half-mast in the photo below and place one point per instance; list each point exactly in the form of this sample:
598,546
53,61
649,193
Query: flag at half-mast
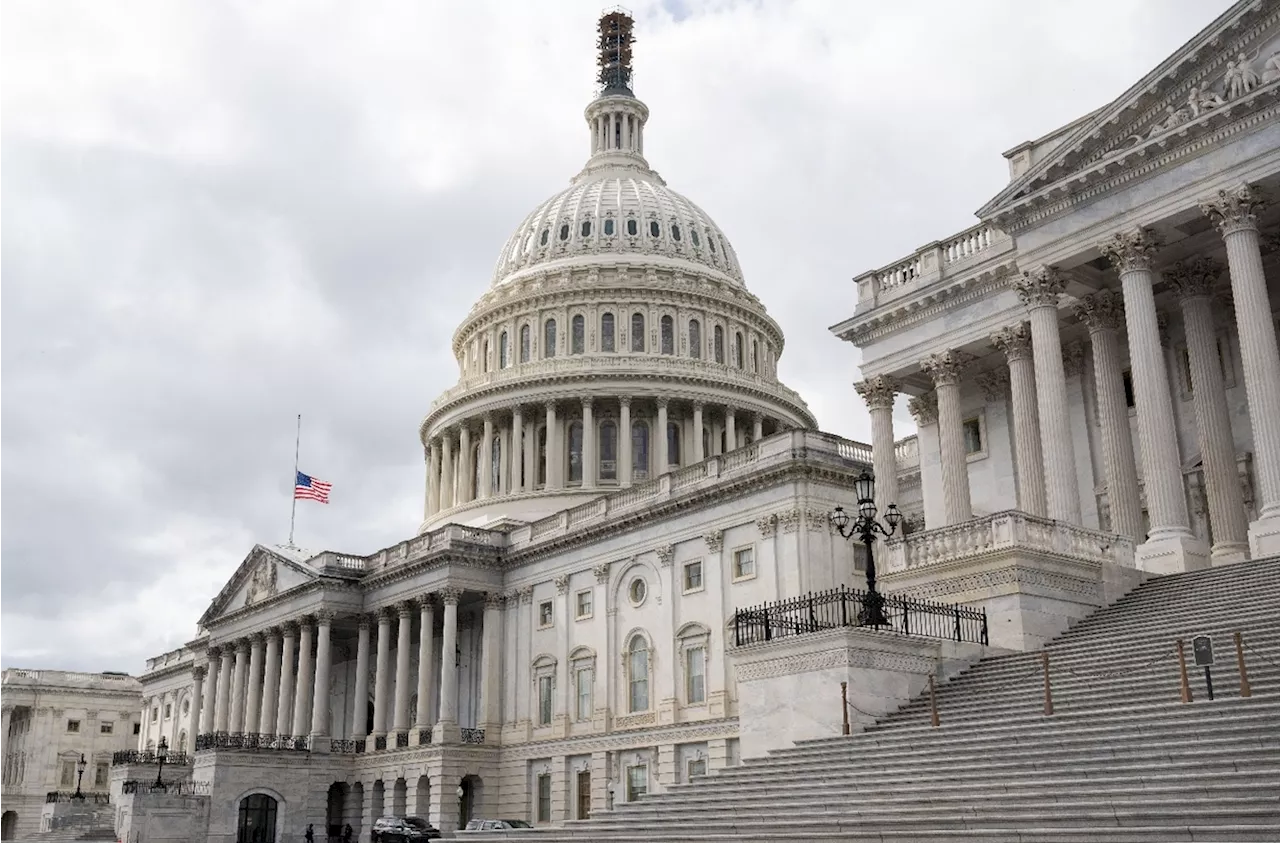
307,488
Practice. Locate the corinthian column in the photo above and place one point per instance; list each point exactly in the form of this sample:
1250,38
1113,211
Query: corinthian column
382,667
590,459
404,630
1235,213
1170,545
486,458
1193,282
946,369
698,451
879,393
551,456
427,621
466,466
197,700
446,471
237,685
924,408
270,682
447,728
208,724
491,662
302,685
320,689
1015,342
225,679
433,479
1103,313
624,441
360,711
1039,291
517,450
662,459
284,711
253,701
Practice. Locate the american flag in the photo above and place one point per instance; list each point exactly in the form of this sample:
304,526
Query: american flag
307,488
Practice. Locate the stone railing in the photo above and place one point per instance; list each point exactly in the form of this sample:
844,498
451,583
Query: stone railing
931,263
65,676
1004,531
444,538
907,454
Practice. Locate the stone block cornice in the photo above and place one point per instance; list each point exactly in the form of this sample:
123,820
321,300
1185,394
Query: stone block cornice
926,304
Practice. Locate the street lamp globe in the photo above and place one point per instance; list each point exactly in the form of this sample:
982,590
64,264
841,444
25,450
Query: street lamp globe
865,488
840,519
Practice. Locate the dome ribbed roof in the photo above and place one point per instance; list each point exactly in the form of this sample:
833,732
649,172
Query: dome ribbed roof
624,211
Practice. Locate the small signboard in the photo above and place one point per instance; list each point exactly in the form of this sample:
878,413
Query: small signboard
1202,646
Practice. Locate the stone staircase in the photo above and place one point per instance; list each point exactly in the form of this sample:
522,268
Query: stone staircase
1121,759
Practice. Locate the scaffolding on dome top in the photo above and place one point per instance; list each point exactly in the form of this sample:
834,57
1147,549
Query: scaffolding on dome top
614,44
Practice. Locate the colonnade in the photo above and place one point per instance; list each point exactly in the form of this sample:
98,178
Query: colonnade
252,687
589,446
1046,476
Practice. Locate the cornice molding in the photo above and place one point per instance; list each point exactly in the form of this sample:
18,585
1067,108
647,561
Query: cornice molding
928,303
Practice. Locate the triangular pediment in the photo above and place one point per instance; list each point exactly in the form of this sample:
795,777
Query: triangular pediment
265,573
1198,88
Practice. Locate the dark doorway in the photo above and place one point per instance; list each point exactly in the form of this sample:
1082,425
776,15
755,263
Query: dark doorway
257,819
584,794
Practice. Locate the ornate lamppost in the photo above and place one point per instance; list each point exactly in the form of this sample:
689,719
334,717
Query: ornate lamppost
81,765
865,527
162,752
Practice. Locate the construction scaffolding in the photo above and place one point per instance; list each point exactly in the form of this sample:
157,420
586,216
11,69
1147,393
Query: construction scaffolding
615,50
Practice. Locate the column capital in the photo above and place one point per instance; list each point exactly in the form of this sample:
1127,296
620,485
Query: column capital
1014,341
289,629
325,616
697,405
946,367
405,610
384,614
198,672
487,418
272,631
588,403
550,406
994,384
878,392
242,646
562,584
602,572
1131,250
1101,311
449,595
662,401
364,622
924,408
426,600
526,594
624,400
1073,358
1040,287
1194,278
1236,209
214,652
257,639
493,600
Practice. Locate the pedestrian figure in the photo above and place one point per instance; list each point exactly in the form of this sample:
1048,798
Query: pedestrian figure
346,833
311,834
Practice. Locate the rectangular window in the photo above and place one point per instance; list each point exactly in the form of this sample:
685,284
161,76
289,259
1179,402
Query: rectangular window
73,725
637,782
544,798
168,710
693,576
584,603
100,774
546,613
544,701
697,767
696,674
68,775
155,714
106,727
583,679
137,728
972,436
744,563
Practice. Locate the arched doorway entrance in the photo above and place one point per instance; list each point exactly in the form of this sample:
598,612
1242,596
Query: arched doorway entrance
9,825
335,810
467,800
257,819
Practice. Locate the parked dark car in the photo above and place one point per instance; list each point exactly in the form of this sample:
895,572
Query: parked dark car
403,830
496,825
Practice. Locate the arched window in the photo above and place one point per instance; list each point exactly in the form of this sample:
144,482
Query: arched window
639,450
606,332
608,228
549,339
673,443
638,673
542,456
737,349
755,356
718,341
668,331
608,450
495,466
637,332
575,452
524,343
578,335
504,358
695,339
257,821
632,228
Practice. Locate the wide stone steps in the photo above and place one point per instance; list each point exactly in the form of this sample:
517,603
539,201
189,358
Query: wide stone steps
1121,760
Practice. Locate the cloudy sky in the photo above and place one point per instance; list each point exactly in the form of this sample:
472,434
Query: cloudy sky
218,215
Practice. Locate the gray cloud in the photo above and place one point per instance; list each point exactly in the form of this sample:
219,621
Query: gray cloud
223,215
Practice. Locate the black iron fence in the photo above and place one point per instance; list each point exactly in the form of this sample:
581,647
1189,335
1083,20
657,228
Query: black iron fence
54,796
251,740
472,735
846,607
178,788
346,746
137,756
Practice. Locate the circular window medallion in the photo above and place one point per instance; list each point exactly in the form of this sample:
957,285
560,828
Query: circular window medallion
637,591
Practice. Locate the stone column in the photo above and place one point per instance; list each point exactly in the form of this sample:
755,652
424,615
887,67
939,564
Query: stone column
879,393
382,668
757,427
730,430
663,459
466,466
253,700
1015,342
360,709
320,689
491,663
1039,291
433,479
404,630
551,460
447,724
1193,282
517,449
197,701
427,620
446,470
270,682
208,722
486,458
590,457
302,685
237,685
946,369
1235,213
284,710
624,441
698,451
1103,312
1170,545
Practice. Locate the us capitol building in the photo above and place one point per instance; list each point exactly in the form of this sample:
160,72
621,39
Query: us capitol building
1093,368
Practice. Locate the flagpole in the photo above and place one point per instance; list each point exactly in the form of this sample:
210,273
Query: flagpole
297,444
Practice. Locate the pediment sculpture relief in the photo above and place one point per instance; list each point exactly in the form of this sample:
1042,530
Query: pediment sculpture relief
262,583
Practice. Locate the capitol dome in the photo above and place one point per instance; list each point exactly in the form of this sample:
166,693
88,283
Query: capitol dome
617,342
